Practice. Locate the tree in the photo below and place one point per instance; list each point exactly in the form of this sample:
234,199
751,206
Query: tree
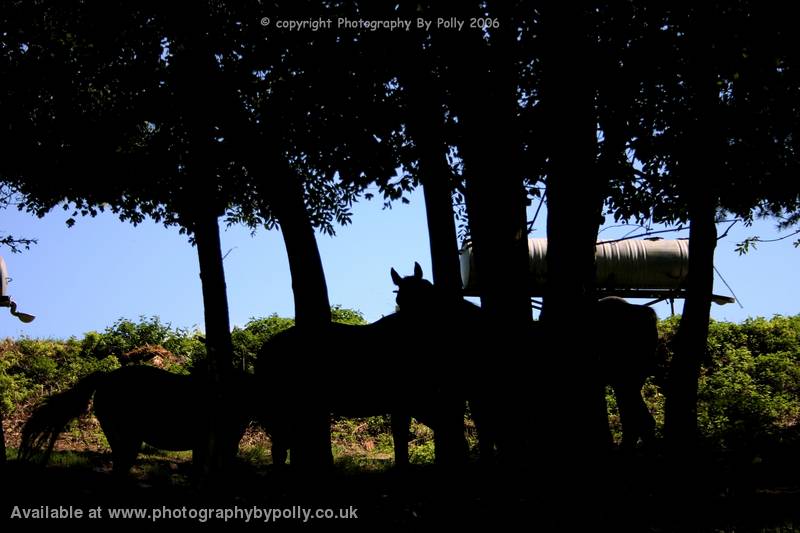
483,83
576,189
99,122
196,120
723,82
15,244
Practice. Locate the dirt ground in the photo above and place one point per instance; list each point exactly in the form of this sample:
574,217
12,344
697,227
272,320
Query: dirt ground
625,494
622,492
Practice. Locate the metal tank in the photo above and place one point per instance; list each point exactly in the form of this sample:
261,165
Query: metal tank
643,264
5,299
632,267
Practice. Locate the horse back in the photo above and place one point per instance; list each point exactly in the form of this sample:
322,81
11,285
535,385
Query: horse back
350,369
628,336
151,405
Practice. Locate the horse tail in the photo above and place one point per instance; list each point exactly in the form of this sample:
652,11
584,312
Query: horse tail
653,338
50,418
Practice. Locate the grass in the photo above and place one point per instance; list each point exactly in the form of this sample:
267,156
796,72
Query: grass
364,477
353,463
357,443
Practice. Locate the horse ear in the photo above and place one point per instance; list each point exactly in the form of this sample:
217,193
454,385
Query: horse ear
396,277
417,270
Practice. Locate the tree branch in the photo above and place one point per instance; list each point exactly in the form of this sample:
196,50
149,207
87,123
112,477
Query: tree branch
645,234
17,245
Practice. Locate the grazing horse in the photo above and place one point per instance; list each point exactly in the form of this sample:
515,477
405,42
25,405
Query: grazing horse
134,405
626,363
306,374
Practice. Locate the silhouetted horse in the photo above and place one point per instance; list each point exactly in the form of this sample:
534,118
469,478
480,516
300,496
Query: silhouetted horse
627,358
135,405
306,374
459,329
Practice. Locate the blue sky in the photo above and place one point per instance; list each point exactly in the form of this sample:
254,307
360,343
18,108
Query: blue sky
84,278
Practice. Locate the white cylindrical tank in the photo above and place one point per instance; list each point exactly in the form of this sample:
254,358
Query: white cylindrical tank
3,281
630,264
642,264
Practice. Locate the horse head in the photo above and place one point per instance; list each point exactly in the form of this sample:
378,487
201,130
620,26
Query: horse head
415,294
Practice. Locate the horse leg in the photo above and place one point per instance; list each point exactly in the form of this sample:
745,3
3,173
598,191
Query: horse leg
280,449
448,434
311,441
644,419
485,427
124,450
637,422
124,446
276,428
400,429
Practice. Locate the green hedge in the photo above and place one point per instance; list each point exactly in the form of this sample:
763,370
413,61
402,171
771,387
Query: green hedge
33,368
749,387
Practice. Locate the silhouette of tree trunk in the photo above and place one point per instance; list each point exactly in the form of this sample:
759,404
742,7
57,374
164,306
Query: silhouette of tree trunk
699,171
438,193
485,89
426,127
219,345
310,290
495,195
691,339
200,210
312,447
215,298
425,124
575,194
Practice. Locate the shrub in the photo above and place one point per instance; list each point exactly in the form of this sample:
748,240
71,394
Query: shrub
247,341
749,386
125,335
32,368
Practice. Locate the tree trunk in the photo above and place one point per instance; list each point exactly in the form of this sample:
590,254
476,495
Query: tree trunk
692,337
199,87
311,304
438,191
425,123
219,345
311,449
571,381
496,201
697,171
485,100
575,195
215,298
